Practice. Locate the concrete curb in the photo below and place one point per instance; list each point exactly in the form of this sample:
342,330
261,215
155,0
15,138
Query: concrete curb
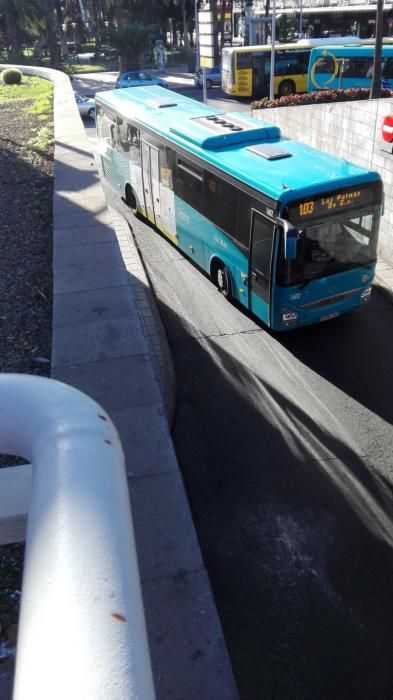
103,341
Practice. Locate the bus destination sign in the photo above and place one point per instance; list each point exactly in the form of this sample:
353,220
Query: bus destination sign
318,206
332,203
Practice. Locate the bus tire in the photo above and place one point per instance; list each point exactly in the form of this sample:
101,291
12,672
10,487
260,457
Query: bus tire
131,200
287,87
223,280
208,83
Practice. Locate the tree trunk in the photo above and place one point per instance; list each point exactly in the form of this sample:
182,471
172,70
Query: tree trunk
52,46
119,13
375,91
11,23
95,27
62,38
265,24
186,38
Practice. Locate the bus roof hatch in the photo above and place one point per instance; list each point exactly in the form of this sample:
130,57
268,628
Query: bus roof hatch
218,130
269,151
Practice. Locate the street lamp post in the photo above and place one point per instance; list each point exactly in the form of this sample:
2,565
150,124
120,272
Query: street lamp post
301,20
196,37
272,54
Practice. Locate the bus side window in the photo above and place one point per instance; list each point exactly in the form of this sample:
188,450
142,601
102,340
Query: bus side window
133,142
170,162
303,59
219,202
227,207
188,183
243,213
166,169
106,129
122,143
357,67
98,121
325,64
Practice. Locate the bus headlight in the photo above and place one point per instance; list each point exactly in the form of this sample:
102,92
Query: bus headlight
365,295
289,318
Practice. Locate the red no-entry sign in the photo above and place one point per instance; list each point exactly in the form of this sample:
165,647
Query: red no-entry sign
387,128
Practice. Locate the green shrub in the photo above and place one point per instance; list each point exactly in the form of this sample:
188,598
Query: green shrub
311,98
11,76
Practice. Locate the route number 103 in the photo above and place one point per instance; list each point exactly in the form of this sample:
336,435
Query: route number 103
306,208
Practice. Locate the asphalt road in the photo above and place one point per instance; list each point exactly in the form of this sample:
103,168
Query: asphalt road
285,445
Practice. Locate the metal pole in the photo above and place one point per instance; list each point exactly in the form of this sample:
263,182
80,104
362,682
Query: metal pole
301,20
81,630
272,55
341,71
196,37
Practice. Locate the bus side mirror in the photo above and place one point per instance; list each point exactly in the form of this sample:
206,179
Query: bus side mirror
290,239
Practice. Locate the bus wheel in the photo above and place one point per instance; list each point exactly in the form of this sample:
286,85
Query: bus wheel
223,281
287,87
131,200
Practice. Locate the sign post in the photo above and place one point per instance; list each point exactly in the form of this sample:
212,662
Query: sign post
273,52
206,33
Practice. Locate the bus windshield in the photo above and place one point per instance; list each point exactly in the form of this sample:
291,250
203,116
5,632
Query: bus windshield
331,244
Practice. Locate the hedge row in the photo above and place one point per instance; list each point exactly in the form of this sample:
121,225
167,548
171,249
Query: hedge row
311,98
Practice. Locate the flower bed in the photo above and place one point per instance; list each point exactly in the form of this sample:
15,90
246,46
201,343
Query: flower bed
323,96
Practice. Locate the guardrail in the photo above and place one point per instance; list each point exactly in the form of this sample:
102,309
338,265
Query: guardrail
82,631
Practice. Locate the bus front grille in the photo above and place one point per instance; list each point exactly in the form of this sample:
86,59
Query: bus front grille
330,300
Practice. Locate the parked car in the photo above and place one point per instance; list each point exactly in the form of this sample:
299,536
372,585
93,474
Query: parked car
213,77
86,106
134,78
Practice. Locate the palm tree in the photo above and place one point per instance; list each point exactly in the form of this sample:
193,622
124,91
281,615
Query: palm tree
11,12
34,16
130,41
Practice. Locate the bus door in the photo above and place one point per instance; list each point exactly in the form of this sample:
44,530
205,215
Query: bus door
155,185
151,185
262,237
260,74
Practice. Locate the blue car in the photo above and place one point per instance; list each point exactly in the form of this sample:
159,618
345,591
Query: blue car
134,78
213,77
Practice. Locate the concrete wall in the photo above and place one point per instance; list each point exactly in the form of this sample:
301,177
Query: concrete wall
351,130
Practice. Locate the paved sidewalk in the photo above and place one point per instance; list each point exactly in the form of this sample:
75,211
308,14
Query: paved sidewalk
384,277
108,342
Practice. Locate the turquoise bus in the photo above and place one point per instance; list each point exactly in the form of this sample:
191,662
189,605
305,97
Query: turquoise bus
287,231
333,67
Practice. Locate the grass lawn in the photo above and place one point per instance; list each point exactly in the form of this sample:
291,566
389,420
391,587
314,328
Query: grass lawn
31,88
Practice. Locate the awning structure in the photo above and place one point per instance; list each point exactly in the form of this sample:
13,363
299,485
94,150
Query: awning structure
333,9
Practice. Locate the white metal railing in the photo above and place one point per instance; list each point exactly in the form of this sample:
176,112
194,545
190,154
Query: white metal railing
82,631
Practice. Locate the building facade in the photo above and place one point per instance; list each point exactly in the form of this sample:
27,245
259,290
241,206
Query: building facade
251,19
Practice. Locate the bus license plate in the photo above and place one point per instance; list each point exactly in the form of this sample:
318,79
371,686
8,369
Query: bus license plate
327,317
